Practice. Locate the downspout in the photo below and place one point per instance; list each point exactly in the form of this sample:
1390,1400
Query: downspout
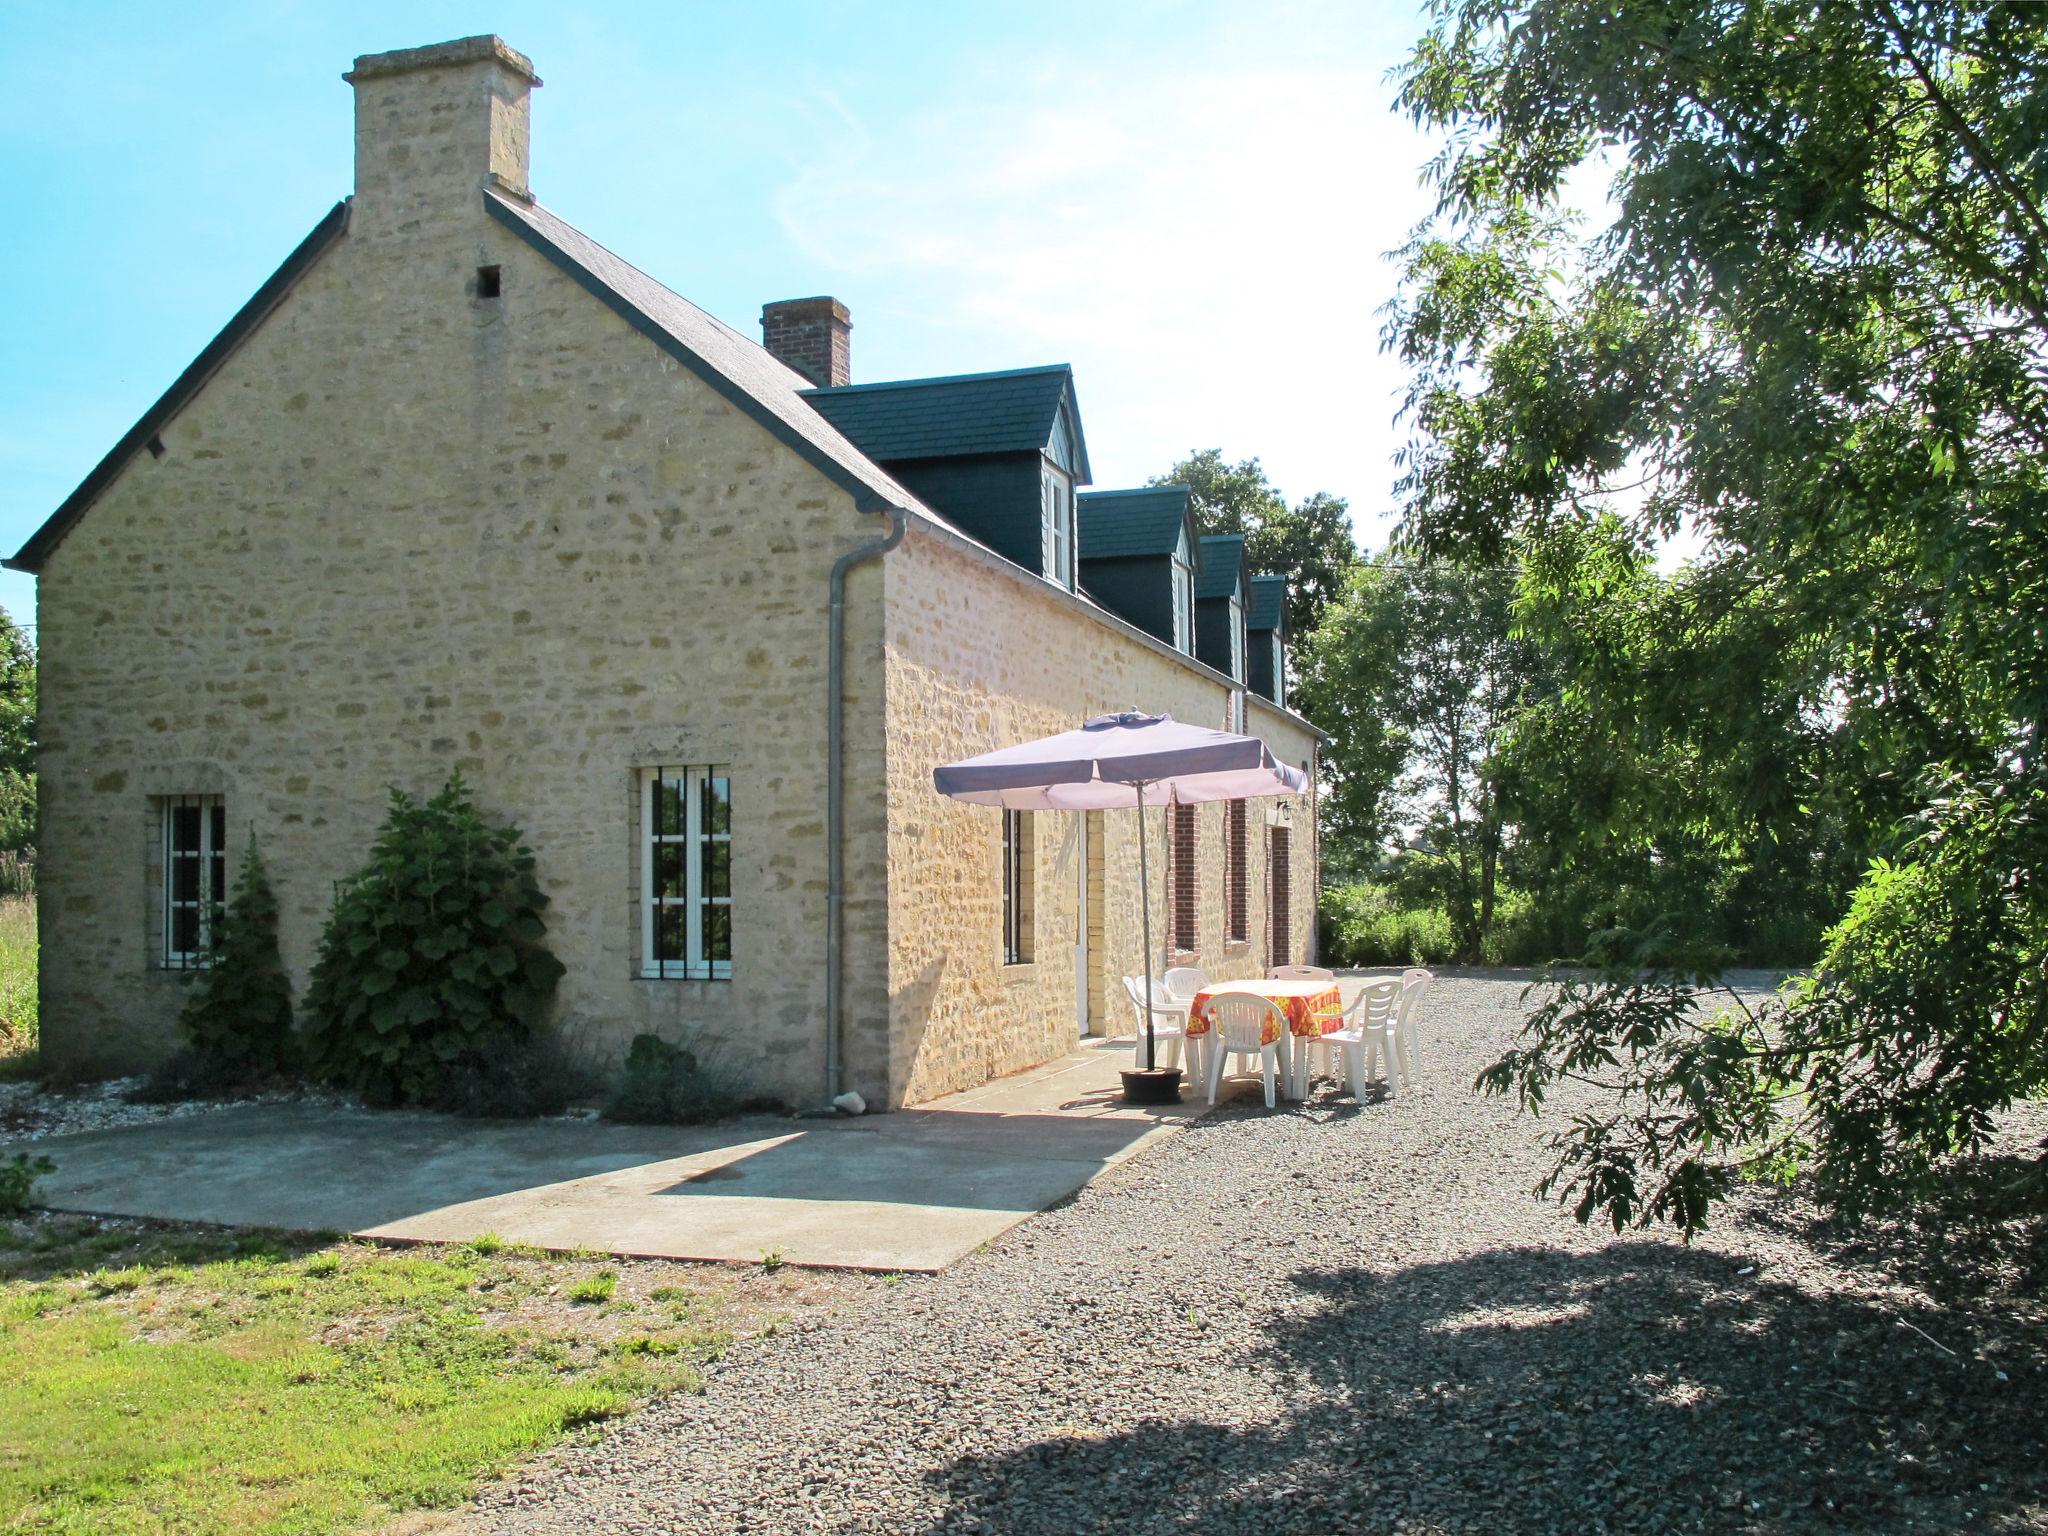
835,789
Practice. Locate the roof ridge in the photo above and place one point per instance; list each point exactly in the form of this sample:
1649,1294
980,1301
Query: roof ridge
938,378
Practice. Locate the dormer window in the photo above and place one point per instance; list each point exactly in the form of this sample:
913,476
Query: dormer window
1237,639
1183,575
1056,508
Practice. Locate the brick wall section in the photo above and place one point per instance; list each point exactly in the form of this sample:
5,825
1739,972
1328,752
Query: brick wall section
405,531
1237,904
1280,927
979,658
1187,886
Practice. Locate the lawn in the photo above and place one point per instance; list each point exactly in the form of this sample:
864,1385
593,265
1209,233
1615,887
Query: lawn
160,1378
18,1033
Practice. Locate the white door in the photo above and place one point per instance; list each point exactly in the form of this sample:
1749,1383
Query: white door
1081,922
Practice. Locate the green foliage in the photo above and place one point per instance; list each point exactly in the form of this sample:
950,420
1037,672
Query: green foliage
20,1013
663,1084
435,957
1311,543
1810,339
17,739
18,1175
238,1018
1370,925
519,1080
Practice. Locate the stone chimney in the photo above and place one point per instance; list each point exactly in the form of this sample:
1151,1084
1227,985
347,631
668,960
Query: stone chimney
813,336
433,126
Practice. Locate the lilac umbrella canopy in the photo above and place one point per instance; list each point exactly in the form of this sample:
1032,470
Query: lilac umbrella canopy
1126,761
1121,761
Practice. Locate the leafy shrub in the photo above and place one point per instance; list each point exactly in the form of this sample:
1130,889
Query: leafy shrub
18,1175
663,1084
19,1012
434,957
238,1020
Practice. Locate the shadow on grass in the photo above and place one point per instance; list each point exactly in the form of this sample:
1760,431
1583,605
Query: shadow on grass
57,1245
1636,1387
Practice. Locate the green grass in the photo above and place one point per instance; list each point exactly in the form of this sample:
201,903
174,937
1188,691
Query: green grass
156,1378
19,1033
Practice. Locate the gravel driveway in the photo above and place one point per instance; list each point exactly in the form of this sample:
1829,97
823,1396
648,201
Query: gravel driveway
1334,1319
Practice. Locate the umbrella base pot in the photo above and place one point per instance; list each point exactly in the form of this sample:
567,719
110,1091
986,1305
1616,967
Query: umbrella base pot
1154,1085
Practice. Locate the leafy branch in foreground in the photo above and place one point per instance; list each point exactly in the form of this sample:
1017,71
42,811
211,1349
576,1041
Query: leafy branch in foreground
1810,335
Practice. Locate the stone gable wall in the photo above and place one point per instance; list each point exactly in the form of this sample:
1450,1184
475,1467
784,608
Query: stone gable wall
404,531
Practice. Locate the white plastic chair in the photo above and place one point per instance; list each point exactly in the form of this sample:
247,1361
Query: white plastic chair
1299,973
1182,982
1169,1022
1414,987
1367,1036
1236,1021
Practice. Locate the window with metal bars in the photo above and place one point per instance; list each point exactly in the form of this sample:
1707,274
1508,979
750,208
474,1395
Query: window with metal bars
1019,887
1236,875
686,873
195,833
1279,891
1186,932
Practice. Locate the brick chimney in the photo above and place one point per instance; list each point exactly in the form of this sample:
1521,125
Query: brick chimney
813,336
433,126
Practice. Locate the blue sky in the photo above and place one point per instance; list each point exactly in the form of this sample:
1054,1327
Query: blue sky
1189,202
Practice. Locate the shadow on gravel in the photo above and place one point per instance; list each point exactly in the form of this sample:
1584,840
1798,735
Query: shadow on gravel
1639,1387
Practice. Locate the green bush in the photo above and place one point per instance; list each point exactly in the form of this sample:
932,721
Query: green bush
238,1020
18,1175
435,956
663,1084
516,1079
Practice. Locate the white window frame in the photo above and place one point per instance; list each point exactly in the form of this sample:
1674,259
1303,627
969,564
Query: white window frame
210,886
1183,598
1020,882
694,964
1056,524
1237,639
1279,671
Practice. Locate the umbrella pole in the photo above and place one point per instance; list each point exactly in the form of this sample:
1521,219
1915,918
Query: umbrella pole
1145,921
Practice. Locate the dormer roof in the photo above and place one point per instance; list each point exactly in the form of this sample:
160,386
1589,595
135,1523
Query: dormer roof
1014,411
1222,568
1266,608
1133,524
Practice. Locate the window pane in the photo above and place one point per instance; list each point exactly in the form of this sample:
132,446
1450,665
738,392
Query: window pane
718,869
670,863
219,887
668,807
671,933
220,830
718,933
184,879
184,930
717,795
185,828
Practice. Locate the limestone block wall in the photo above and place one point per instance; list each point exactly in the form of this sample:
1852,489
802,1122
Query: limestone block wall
979,657
407,530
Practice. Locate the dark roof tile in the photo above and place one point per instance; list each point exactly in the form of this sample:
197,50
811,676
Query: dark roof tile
1008,412
1222,566
1117,525
1266,608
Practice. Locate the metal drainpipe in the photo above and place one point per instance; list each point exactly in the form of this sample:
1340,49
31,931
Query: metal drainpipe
835,790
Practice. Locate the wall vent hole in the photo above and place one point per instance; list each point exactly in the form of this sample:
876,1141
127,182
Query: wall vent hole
156,447
487,282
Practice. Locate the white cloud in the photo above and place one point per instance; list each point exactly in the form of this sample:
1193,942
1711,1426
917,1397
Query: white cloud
1204,244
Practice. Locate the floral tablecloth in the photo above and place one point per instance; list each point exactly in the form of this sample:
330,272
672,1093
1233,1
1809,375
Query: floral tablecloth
1312,1007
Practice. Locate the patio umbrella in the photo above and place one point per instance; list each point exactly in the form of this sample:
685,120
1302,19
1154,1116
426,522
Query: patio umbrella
1128,760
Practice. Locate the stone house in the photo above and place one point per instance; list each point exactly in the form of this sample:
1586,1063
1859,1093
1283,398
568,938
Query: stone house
459,488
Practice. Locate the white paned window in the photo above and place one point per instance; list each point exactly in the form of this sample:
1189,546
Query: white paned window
195,829
1183,598
686,873
1056,516
1279,672
1237,639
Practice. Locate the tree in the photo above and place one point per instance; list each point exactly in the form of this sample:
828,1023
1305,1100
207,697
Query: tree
1311,544
1812,336
17,737
1416,675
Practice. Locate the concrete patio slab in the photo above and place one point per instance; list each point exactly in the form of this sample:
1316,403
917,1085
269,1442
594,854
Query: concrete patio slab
913,1190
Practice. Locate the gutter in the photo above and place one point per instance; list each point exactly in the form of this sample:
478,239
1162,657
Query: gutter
835,788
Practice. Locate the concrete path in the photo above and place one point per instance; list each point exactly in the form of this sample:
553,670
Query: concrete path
913,1190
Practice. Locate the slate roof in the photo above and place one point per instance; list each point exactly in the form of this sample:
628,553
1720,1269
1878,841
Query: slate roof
1117,525
1222,565
1266,608
1008,412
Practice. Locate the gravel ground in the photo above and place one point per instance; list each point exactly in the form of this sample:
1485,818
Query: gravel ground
1333,1319
30,1113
